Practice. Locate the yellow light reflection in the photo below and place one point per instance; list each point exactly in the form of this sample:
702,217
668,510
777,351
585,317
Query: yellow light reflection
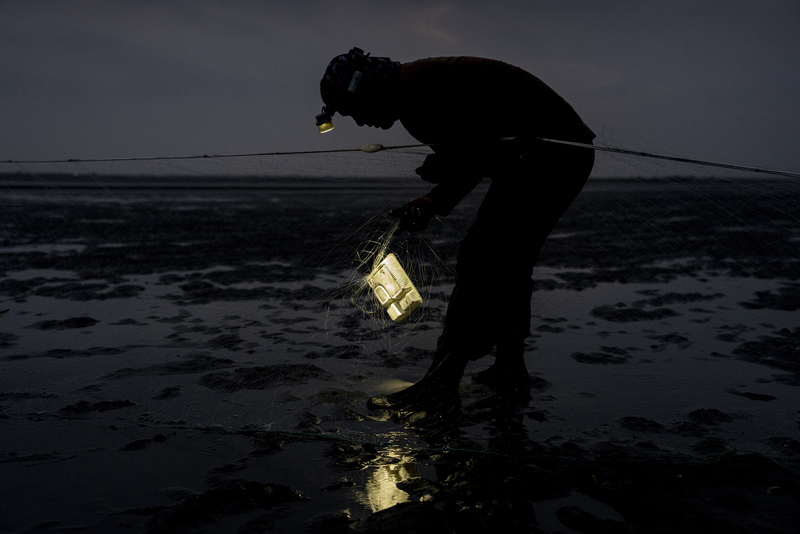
381,488
325,127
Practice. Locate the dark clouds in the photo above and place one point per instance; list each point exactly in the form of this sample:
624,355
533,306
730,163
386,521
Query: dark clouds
713,80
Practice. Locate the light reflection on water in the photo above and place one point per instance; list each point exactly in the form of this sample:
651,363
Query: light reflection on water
381,491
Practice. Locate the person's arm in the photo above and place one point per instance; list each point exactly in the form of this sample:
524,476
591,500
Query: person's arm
455,175
454,179
446,195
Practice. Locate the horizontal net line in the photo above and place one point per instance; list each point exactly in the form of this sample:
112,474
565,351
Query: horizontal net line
675,158
162,158
373,148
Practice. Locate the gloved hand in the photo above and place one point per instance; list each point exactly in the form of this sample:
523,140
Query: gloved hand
415,215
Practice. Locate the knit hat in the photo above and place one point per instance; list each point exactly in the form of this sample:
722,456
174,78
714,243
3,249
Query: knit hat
338,86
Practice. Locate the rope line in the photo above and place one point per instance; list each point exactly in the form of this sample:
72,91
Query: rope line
163,158
209,156
675,158
376,148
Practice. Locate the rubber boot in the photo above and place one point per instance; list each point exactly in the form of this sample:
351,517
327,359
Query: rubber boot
508,376
437,391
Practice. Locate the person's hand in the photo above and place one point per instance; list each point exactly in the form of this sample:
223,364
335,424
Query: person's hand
415,215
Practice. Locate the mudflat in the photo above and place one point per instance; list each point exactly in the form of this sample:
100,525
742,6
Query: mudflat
195,355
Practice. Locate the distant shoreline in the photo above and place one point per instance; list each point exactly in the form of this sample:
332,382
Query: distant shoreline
384,183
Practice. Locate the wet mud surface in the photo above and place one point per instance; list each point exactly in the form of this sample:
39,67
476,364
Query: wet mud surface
179,360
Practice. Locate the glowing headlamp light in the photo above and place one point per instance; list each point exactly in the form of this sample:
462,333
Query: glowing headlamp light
324,121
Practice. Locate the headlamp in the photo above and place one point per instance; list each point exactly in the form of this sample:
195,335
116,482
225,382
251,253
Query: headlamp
324,121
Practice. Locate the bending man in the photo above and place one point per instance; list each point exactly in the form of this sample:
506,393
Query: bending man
468,108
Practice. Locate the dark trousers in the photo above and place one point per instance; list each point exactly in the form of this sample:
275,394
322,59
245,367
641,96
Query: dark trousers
491,301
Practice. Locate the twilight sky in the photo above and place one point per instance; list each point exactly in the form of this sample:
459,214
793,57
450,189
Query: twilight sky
701,79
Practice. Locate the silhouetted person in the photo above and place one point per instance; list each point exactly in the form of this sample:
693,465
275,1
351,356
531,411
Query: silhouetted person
467,108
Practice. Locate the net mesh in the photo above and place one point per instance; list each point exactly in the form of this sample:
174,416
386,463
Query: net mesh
231,294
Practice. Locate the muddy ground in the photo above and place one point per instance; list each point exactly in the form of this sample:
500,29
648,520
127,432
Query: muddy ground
195,355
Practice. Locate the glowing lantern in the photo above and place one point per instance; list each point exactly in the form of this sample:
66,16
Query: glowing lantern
393,289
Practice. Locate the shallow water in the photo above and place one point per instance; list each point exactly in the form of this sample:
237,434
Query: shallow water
172,354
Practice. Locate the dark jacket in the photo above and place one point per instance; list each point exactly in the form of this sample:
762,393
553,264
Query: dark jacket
466,104
454,99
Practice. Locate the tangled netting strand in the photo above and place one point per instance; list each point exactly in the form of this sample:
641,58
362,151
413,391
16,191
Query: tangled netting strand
207,294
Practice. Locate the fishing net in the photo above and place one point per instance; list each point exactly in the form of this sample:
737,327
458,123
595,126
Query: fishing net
232,295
